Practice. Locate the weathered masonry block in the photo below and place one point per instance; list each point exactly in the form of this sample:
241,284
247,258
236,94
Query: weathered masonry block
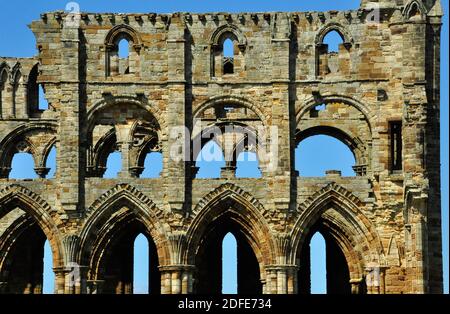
379,95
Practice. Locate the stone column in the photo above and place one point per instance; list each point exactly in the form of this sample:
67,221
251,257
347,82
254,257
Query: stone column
177,279
228,172
356,285
281,279
60,280
70,279
125,152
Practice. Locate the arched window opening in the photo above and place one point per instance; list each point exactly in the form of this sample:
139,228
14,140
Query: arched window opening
51,163
228,56
123,52
124,48
129,264
210,161
48,286
333,40
227,51
247,165
229,264
228,48
26,266
42,102
153,165
22,166
414,12
333,55
36,99
3,79
323,266
113,165
226,261
141,265
318,264
317,154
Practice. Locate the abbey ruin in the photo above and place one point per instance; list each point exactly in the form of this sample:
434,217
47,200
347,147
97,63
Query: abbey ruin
379,94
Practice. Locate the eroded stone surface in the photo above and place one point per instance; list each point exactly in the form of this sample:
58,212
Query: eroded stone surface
383,225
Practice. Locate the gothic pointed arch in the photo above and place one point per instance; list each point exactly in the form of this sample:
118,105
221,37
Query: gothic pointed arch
246,210
11,234
47,218
4,69
229,209
16,73
340,29
414,10
112,211
338,211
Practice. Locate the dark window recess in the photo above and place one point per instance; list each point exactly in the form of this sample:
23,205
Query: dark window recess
396,145
228,65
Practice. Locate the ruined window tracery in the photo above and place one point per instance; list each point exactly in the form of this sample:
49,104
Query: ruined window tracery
123,46
333,47
227,51
132,132
234,127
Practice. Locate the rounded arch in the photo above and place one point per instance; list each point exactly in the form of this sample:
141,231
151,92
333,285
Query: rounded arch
218,35
239,146
369,115
243,209
355,145
8,145
340,29
119,32
117,100
339,211
32,204
230,100
105,213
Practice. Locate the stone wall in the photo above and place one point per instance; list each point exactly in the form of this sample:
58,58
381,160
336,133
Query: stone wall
385,221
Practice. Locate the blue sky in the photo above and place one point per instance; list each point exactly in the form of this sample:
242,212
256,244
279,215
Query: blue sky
18,41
